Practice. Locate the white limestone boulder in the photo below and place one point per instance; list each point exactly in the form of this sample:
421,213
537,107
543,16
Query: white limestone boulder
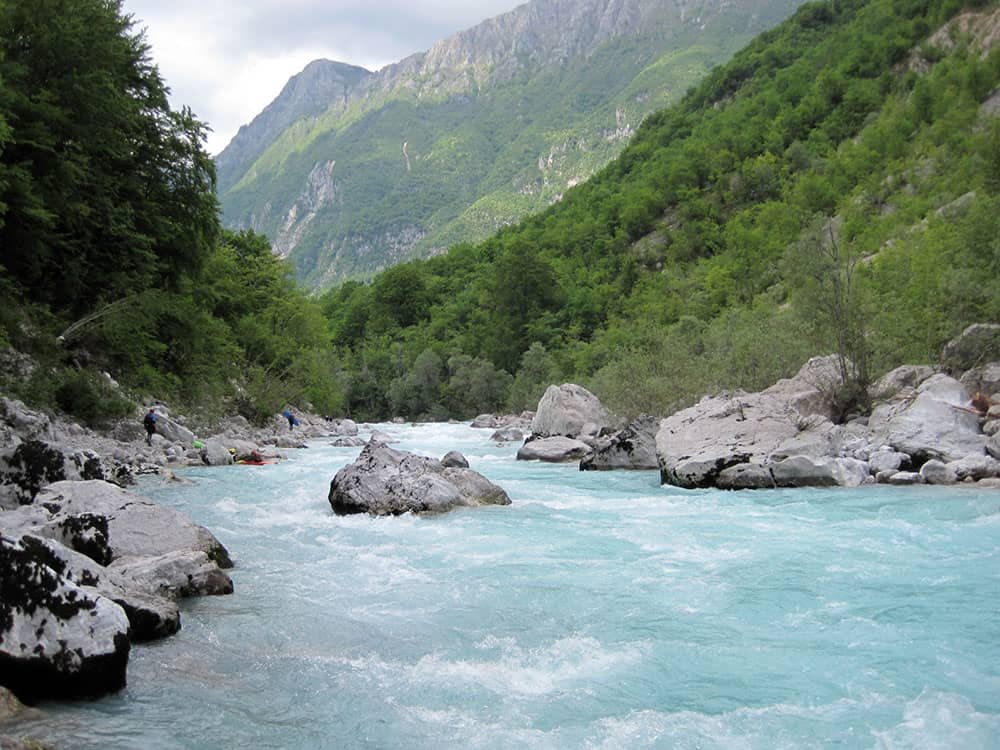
567,410
935,422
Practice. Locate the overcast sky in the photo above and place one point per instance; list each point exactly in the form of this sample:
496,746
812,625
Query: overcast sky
227,59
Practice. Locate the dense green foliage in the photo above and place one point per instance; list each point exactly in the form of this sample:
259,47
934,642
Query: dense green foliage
833,188
479,155
113,258
836,187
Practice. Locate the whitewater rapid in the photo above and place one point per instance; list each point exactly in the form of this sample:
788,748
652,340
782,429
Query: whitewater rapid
599,610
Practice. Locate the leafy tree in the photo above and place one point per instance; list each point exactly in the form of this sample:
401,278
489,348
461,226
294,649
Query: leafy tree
107,190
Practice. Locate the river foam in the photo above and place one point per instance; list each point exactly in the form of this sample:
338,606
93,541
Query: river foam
600,610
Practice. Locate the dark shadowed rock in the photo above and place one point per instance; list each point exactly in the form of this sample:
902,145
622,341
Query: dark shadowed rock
454,460
383,481
977,345
633,447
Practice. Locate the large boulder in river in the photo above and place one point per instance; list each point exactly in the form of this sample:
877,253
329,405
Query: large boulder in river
569,410
383,481
633,447
935,421
56,639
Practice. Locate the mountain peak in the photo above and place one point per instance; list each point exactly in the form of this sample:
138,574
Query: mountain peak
307,93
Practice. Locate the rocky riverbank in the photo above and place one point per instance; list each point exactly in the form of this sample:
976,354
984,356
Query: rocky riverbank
87,567
929,424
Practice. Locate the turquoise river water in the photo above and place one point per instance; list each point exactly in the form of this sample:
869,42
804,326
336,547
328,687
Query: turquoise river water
600,610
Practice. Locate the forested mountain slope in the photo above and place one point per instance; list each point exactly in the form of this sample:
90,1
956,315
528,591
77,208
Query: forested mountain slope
484,128
836,186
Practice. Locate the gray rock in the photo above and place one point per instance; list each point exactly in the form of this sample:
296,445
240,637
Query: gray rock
566,409
983,379
150,616
384,481
485,421
935,423
633,447
901,379
216,453
454,460
906,478
887,460
803,471
993,445
991,483
348,442
170,429
745,477
977,345
382,437
938,472
84,532
696,445
137,527
25,423
806,471
57,640
344,428
553,450
975,468
176,574
507,435
32,464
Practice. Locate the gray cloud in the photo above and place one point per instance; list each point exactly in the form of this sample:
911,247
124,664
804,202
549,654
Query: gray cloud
227,59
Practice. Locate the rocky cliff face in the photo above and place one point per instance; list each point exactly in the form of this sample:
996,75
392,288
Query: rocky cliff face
321,84
488,125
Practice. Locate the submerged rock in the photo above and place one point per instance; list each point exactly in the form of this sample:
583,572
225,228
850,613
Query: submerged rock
383,481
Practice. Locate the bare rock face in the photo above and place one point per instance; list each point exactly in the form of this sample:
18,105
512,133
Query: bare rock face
569,410
57,640
383,481
936,423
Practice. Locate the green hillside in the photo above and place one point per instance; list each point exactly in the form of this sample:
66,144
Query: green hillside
835,187
482,150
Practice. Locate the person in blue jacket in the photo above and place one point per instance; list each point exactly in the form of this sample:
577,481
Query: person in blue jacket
149,422
292,421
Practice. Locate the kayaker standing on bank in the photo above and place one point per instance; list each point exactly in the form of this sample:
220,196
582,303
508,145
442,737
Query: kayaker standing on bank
149,422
